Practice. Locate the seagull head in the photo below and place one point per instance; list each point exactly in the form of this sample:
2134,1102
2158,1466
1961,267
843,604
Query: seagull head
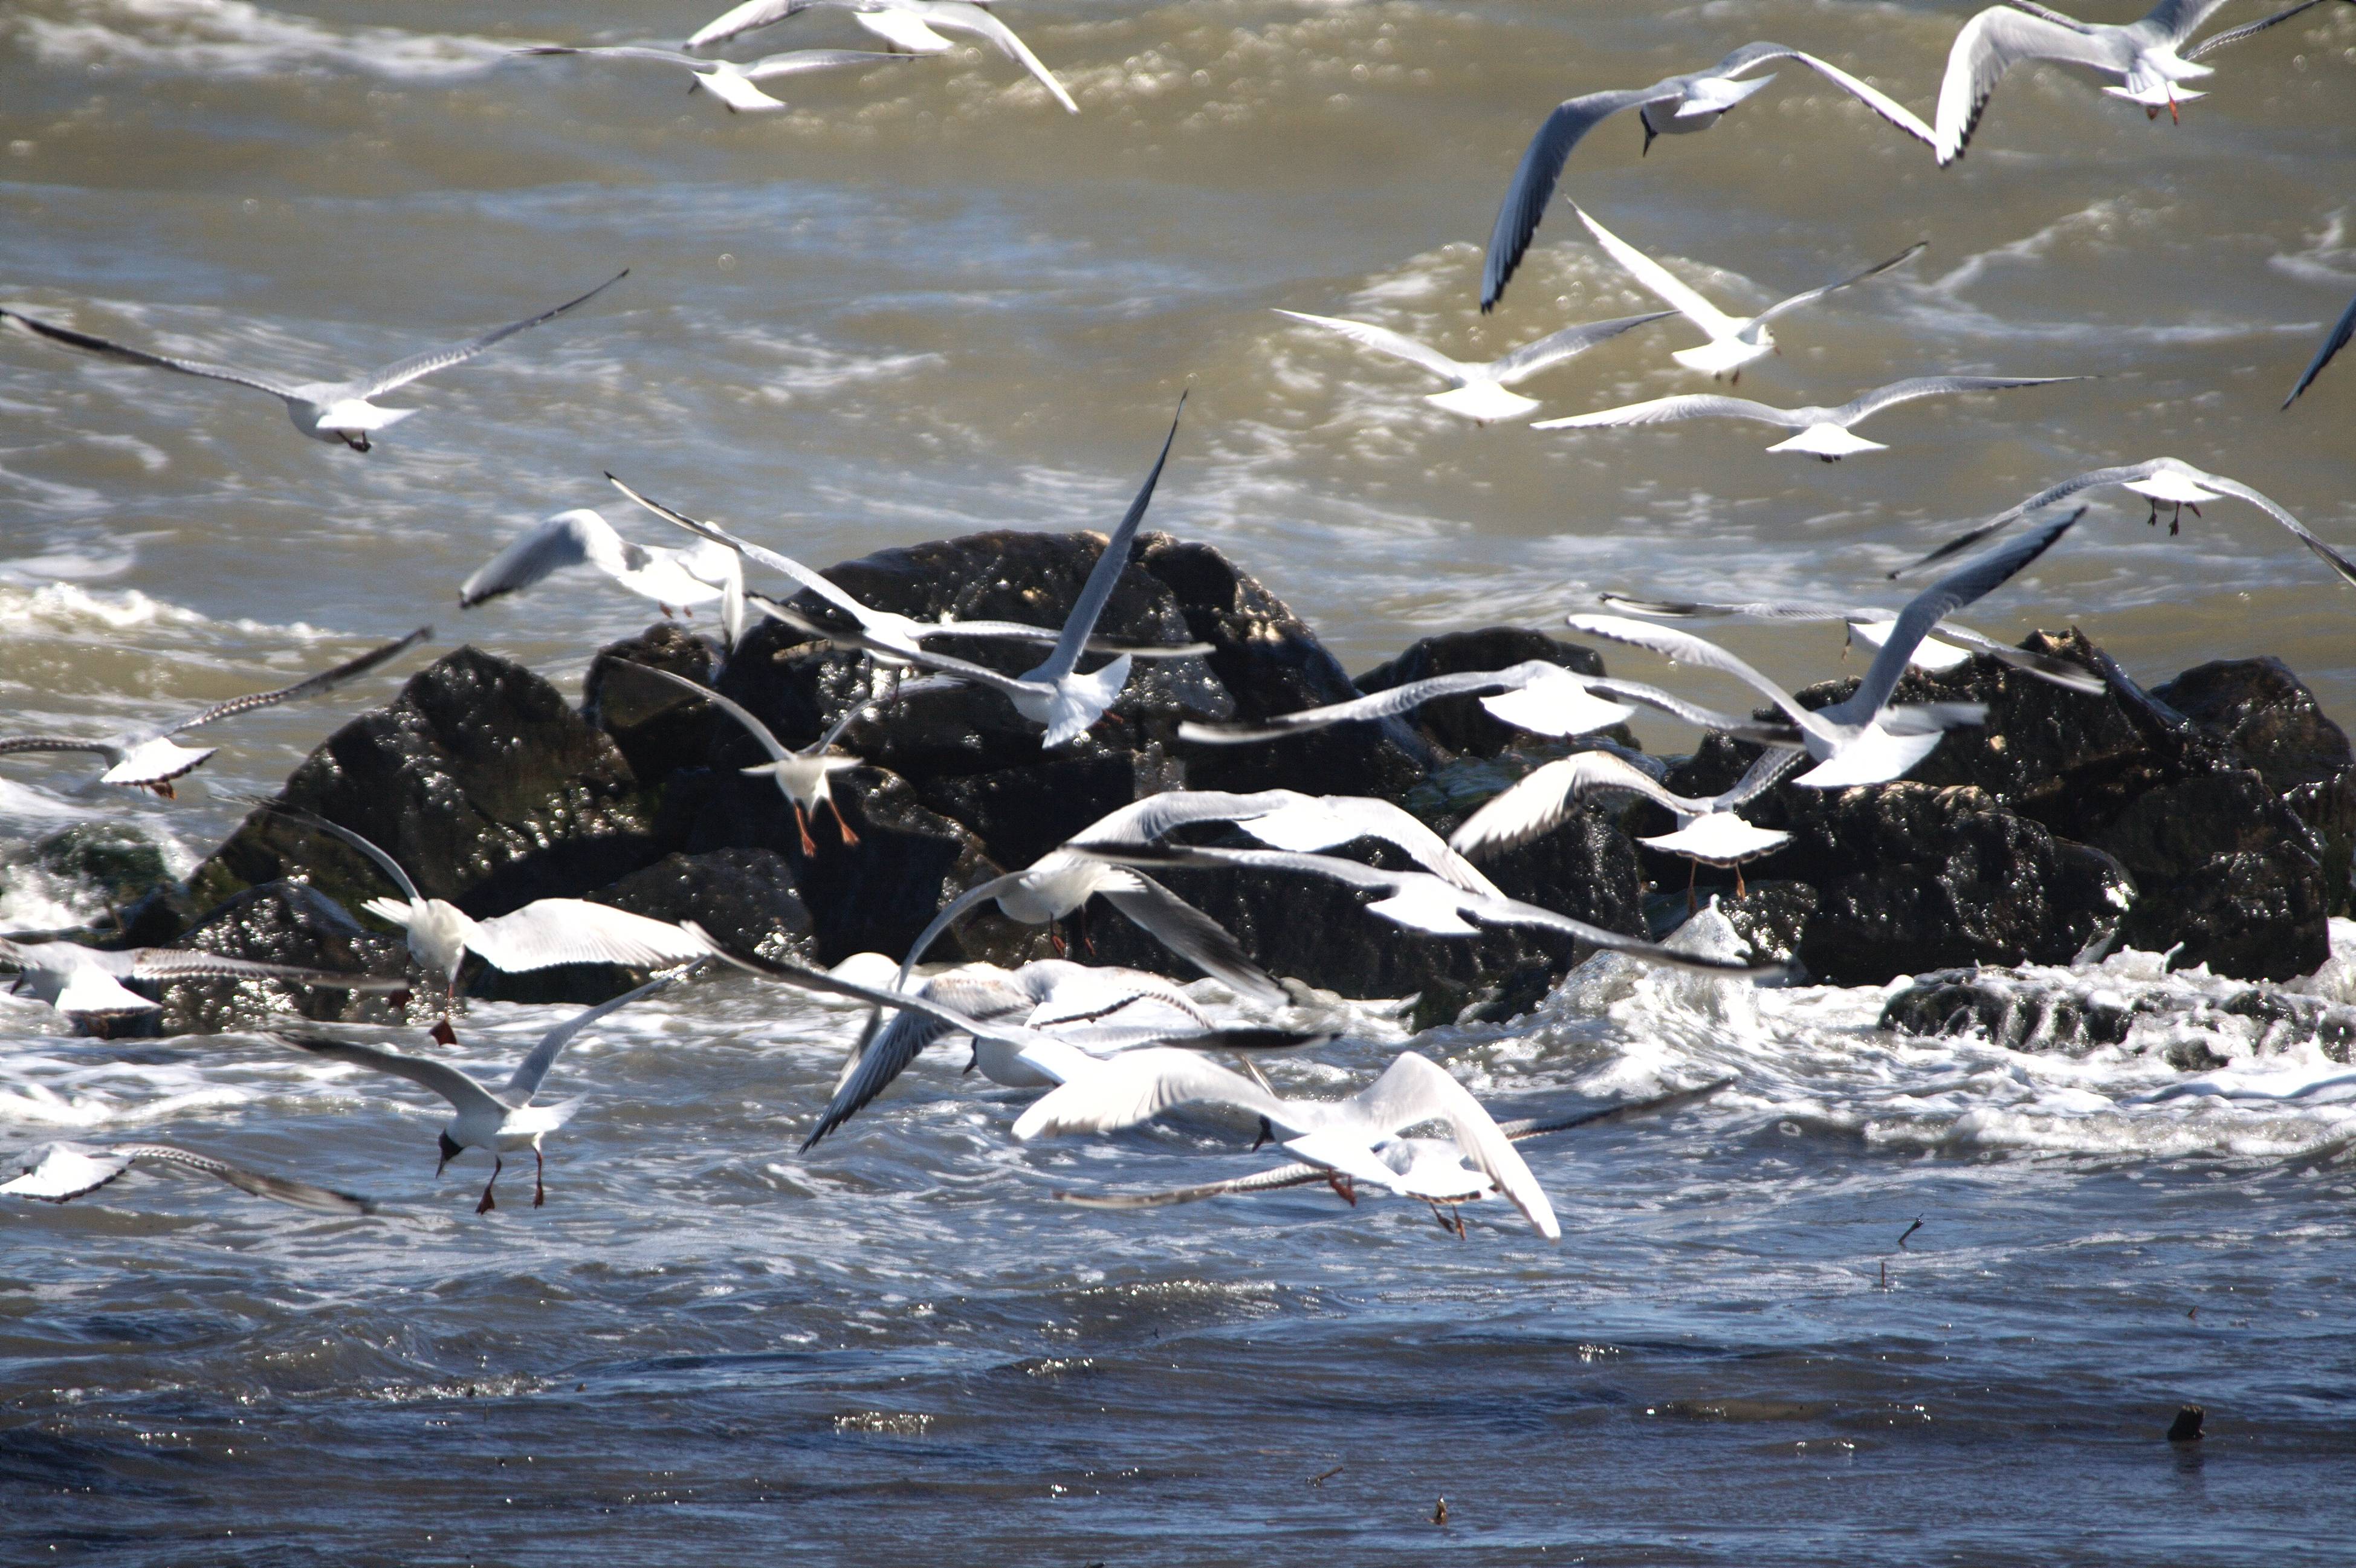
451,1150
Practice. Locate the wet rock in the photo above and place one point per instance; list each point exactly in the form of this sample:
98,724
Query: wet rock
748,899
658,730
480,780
1771,917
2079,1012
2266,718
2019,1017
291,923
1460,725
117,861
1501,1001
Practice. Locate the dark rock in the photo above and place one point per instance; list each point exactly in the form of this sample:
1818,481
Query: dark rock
746,897
1460,725
657,728
2227,874
2072,1012
1500,1002
117,861
2186,1427
290,923
478,779
1771,917
2018,1016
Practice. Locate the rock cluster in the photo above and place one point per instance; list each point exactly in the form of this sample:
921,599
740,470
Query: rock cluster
2215,815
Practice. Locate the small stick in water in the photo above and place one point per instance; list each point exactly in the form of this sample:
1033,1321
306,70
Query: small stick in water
1321,1480
1910,1231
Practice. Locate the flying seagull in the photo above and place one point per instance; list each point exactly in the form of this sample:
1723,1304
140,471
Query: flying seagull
892,634
63,1172
689,576
2161,481
323,411
1673,106
1423,1163
804,776
1734,341
1348,1137
1054,694
500,1122
1478,391
543,934
915,25
2333,341
1557,700
732,84
75,979
150,758
1824,433
2149,54
1863,739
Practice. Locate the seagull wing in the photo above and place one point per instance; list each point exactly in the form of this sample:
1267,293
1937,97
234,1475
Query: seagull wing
177,963
1568,344
1535,177
1684,648
796,61
1140,1085
1400,699
529,1072
576,538
1673,291
2216,41
1191,935
1752,55
550,931
1934,603
444,1080
106,748
1320,821
301,1194
1383,340
2066,673
1415,1089
618,51
737,710
2331,558
112,351
1545,799
2092,478
1689,610
872,1071
2333,341
65,1172
1683,405
758,554
1627,1109
1142,821
744,19
1082,622
958,17
1743,728
1813,294
1295,1175
309,686
1865,406
1992,43
2180,19
980,893
385,863
400,373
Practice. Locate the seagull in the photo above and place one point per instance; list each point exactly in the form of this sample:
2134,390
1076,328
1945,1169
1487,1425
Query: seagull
692,575
804,776
63,1172
1054,694
543,934
1823,432
1675,105
730,82
1951,650
151,760
1734,341
1863,739
1348,1138
1027,1055
894,635
500,1122
2333,341
916,25
1425,1161
1478,390
1560,701
74,979
2160,480
1708,832
1423,902
323,411
2149,54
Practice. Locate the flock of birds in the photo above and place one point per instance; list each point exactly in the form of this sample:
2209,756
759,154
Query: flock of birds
1112,1048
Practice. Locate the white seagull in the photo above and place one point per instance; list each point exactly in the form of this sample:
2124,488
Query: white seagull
1348,1137
543,934
1054,694
1823,432
1425,1161
1555,701
74,979
500,1122
1478,391
1709,831
804,776
1952,649
63,1172
1423,902
150,758
2161,481
1863,739
323,411
916,25
1734,340
732,84
690,575
893,637
1672,106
